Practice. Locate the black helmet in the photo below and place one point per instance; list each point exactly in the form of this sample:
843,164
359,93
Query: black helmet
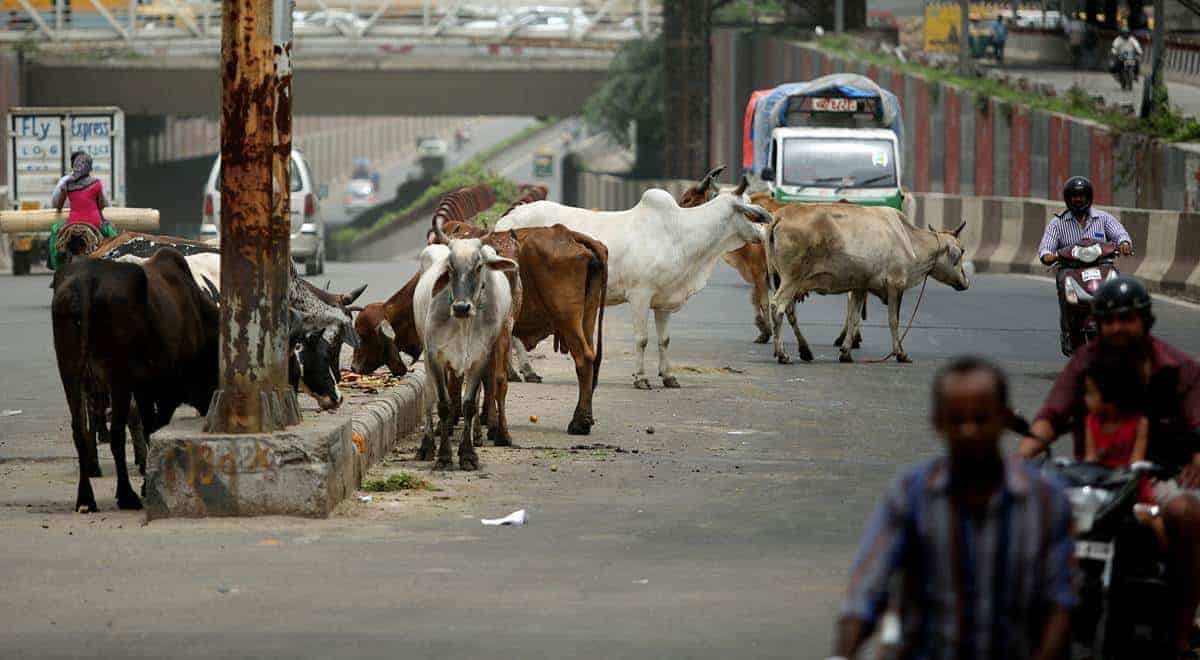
1124,31
1078,184
1121,295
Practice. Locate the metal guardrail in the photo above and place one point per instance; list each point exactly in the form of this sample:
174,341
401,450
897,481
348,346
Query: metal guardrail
135,21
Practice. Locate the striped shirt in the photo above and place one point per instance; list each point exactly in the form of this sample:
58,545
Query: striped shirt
972,587
1064,230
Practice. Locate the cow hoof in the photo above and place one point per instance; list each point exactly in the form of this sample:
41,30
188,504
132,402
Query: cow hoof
468,463
503,440
425,453
670,383
577,427
762,338
903,358
129,502
533,378
846,357
641,384
83,506
857,343
443,463
94,472
806,355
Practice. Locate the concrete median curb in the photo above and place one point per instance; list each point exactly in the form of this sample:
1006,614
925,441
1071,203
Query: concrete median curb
305,470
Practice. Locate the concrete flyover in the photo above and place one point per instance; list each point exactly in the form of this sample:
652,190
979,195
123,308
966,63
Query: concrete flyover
469,83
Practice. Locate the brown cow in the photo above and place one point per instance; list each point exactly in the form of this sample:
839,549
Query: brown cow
750,260
385,331
565,279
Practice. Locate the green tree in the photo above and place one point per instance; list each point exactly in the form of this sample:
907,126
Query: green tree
632,96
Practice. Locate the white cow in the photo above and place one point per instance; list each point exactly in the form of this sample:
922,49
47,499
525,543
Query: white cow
463,309
659,254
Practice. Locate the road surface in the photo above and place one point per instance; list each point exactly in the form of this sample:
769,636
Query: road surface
1100,83
728,533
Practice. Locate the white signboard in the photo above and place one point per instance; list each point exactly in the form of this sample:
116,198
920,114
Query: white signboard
42,141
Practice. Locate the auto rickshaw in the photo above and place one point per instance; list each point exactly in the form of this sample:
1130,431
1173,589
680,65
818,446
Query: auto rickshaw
543,164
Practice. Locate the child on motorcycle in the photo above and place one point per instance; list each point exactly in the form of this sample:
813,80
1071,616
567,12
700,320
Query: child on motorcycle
1116,429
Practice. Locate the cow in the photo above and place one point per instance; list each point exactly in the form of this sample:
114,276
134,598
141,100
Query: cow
846,248
385,330
564,280
750,260
319,322
463,310
659,254
138,332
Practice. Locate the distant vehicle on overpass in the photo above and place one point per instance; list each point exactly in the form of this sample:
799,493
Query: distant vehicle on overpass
307,223
431,154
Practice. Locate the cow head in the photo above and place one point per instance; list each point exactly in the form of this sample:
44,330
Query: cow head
703,191
749,219
464,277
948,262
316,333
377,341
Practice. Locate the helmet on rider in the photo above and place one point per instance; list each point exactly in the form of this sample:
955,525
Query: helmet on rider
1077,193
1120,296
1124,31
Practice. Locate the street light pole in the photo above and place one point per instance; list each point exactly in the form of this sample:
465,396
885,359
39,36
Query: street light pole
964,37
253,393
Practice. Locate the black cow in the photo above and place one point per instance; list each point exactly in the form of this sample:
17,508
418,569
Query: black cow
139,332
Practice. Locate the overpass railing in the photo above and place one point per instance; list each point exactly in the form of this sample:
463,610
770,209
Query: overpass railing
141,22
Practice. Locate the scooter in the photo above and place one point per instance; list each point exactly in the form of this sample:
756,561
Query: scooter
1123,592
1127,65
1082,268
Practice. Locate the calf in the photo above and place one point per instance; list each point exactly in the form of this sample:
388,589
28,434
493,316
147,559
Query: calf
564,280
385,330
146,333
463,310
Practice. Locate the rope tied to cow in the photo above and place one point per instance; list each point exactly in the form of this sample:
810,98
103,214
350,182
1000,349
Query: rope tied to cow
77,232
908,327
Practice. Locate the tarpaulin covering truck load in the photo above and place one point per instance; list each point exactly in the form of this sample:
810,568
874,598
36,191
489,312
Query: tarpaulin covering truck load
838,137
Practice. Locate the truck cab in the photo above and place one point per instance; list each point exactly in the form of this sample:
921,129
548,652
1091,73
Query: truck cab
816,164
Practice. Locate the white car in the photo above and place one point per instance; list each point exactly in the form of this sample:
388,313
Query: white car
338,19
360,194
307,225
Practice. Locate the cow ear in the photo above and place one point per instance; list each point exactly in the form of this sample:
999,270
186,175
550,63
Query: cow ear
961,226
500,263
350,337
295,323
442,281
386,330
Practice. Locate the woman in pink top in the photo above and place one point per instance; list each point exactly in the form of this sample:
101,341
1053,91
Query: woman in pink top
85,192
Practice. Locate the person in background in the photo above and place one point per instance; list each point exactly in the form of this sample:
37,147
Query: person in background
87,202
999,36
983,541
1125,43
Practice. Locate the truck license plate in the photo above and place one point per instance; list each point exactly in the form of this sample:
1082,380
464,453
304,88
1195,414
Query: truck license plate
1097,550
1091,274
835,105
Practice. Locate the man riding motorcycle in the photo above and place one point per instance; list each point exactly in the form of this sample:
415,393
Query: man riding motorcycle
1123,313
1078,222
1125,43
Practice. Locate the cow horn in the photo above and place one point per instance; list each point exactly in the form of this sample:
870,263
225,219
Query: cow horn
742,186
348,298
712,174
437,231
961,226
753,209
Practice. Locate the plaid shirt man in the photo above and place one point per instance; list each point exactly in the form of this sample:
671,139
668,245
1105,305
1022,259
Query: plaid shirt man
973,588
1065,230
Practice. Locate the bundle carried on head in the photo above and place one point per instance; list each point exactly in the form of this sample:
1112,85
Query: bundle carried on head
86,236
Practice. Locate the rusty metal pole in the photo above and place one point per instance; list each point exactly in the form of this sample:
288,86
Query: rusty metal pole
254,395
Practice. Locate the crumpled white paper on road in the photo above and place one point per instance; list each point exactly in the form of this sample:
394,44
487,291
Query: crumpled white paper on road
516,519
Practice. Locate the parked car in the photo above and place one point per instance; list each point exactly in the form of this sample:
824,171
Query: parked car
307,224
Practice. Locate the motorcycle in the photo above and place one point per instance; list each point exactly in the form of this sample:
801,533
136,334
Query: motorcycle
1082,268
1127,65
1122,611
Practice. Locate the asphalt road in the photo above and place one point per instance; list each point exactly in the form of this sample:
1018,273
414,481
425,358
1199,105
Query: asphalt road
728,533
1186,97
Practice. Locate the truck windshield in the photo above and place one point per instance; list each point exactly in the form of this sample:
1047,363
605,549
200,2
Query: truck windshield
838,163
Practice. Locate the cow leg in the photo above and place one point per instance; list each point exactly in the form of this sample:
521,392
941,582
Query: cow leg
783,294
850,326
802,345
498,431
585,362
467,458
640,306
894,297
662,323
435,386
497,364
760,299
523,364
126,498
95,429
137,434
85,499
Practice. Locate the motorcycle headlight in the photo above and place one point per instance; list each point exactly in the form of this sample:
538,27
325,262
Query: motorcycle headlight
1086,502
1087,254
